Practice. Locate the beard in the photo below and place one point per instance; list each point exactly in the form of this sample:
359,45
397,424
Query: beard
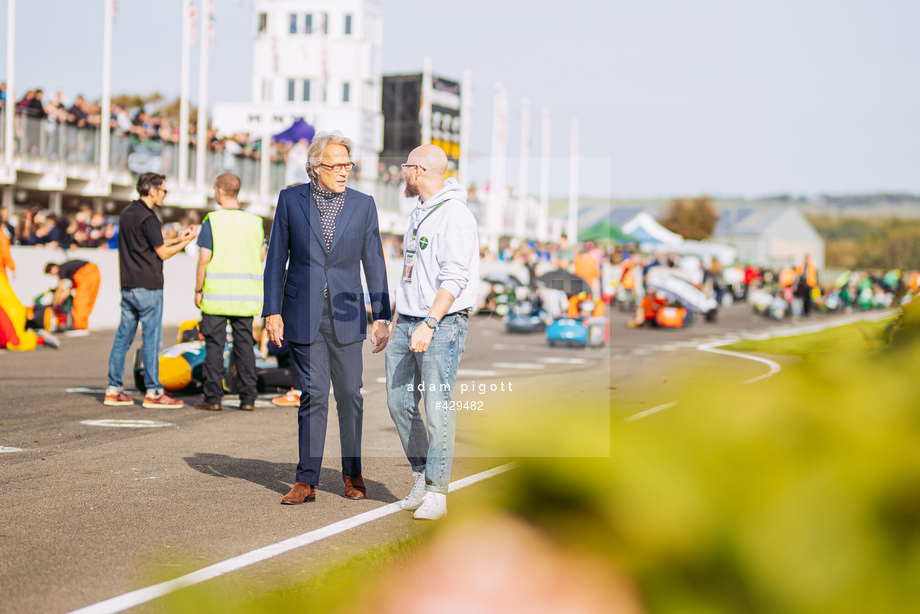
411,190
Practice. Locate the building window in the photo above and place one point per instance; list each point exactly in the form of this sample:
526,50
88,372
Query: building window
308,24
266,90
325,24
263,22
346,91
306,90
293,23
290,90
347,25
324,92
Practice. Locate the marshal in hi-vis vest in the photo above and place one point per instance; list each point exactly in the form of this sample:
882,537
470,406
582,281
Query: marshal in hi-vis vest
233,277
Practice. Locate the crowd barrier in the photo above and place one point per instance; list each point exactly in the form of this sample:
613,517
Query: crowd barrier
178,290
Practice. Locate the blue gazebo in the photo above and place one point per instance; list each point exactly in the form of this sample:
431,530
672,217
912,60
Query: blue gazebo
298,130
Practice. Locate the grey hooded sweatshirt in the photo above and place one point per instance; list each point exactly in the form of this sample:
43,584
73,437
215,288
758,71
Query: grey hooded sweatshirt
446,254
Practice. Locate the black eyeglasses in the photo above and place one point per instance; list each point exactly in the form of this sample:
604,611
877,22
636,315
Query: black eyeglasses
338,168
406,167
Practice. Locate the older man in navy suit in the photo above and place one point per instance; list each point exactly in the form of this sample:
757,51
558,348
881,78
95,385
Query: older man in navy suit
323,233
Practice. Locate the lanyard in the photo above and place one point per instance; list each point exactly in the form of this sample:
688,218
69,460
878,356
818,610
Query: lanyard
419,225
410,253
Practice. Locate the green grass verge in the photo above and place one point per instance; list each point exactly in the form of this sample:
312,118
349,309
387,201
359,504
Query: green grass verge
867,335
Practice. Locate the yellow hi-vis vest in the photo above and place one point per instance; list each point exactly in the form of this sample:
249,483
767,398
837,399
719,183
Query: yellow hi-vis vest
233,277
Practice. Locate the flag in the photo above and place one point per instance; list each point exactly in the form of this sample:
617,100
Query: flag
212,23
191,21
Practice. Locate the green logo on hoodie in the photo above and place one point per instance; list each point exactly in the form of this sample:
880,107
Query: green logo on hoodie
423,242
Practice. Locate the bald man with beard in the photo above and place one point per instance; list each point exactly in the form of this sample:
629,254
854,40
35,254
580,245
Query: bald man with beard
438,288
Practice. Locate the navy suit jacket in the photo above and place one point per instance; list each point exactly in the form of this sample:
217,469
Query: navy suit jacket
297,242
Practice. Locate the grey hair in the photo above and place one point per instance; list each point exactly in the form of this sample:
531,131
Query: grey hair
318,148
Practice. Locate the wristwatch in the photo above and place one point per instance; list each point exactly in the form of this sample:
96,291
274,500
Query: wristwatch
428,320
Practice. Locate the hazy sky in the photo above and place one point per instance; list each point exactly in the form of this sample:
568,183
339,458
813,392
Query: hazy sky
674,97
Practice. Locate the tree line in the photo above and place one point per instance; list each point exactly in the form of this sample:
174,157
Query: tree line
858,243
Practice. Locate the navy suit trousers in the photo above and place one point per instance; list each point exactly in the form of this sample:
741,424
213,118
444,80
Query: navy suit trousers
319,363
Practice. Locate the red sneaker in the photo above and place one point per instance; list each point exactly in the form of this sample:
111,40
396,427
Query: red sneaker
162,401
114,398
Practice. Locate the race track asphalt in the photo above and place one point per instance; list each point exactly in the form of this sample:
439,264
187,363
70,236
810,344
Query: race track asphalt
91,512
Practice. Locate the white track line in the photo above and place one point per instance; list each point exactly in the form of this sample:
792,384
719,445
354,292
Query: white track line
518,365
649,412
130,424
712,347
785,331
144,595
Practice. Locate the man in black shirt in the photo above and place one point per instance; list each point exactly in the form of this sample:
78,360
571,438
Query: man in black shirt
141,252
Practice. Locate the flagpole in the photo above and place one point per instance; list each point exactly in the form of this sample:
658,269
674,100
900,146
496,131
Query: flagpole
184,92
466,125
202,130
425,111
543,215
105,126
496,208
572,230
9,112
265,154
520,225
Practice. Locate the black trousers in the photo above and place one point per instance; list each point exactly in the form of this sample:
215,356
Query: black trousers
214,329
319,363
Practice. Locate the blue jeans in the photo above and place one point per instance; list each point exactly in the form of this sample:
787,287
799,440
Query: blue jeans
431,373
144,306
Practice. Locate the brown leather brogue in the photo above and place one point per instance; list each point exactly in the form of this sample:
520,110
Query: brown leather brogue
354,486
301,493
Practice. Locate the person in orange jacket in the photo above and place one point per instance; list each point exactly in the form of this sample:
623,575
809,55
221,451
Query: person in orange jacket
6,257
586,268
578,304
85,279
648,309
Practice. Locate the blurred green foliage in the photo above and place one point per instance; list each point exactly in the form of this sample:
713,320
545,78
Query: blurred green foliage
867,334
798,494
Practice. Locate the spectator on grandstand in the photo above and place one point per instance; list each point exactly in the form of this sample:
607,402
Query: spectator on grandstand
77,112
48,232
3,95
25,233
37,106
5,226
120,120
55,109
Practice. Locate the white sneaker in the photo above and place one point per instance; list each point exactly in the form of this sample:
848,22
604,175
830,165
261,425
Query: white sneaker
414,499
433,507
50,340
